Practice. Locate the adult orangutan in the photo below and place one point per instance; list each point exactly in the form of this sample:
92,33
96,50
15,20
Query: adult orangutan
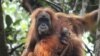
57,34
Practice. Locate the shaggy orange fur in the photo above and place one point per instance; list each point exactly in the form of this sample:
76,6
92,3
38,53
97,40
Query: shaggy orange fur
51,45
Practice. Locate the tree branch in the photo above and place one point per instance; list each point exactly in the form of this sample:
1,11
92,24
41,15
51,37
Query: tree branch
13,49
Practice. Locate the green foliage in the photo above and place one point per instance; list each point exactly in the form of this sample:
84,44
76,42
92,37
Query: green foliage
16,25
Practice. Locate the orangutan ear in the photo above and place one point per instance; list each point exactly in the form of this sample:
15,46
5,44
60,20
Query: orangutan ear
90,19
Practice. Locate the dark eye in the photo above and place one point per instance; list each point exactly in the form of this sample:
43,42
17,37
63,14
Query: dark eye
43,19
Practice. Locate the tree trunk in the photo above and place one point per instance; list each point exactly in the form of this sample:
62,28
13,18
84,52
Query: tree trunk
84,6
3,48
97,42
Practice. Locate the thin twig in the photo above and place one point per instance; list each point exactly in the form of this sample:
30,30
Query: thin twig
76,3
13,49
88,50
54,5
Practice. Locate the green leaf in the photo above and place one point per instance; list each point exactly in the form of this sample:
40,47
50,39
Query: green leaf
17,22
10,37
90,39
8,20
